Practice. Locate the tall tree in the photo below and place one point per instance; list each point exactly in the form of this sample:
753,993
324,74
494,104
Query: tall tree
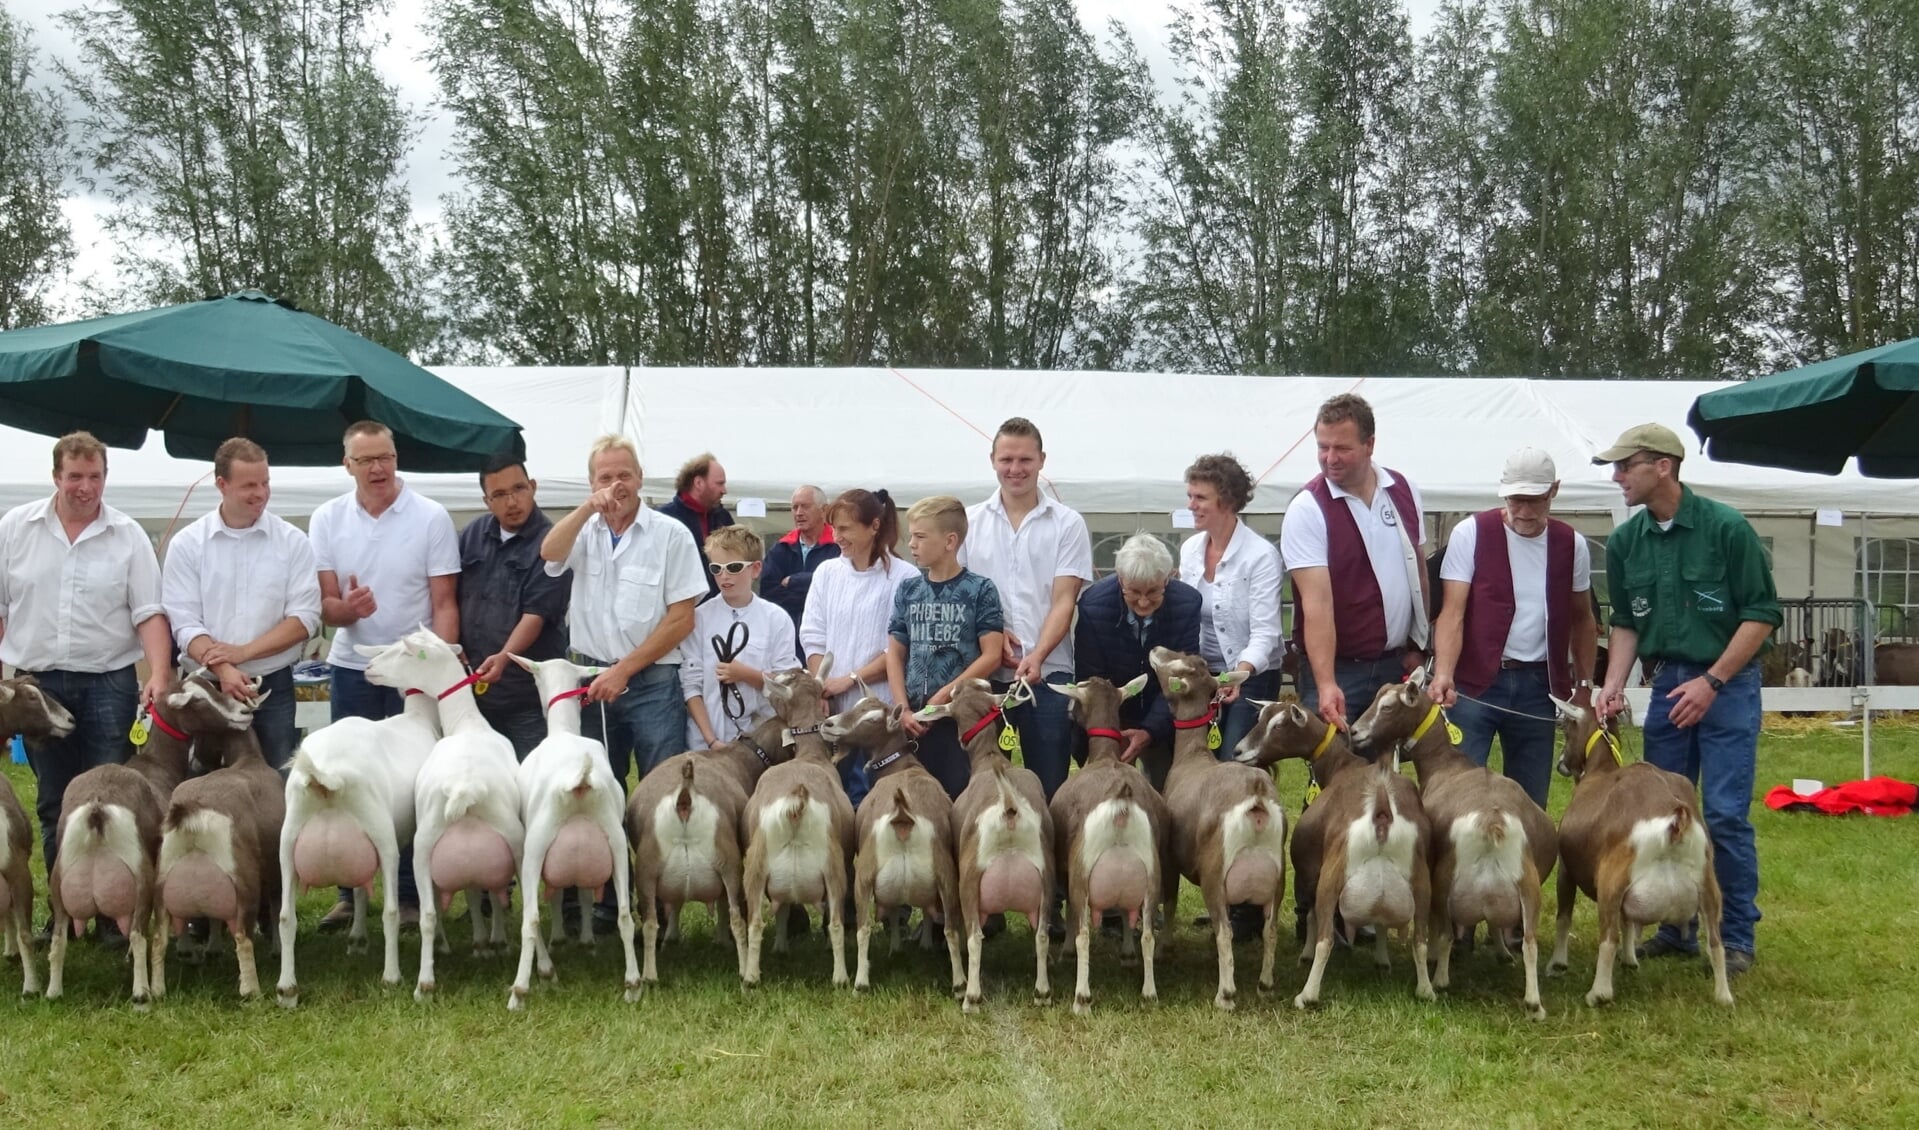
35,246
253,143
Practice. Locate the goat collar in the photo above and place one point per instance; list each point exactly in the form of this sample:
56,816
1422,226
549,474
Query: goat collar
466,682
890,758
1325,743
1420,731
787,736
746,739
1206,719
176,735
1591,742
576,692
1102,732
991,717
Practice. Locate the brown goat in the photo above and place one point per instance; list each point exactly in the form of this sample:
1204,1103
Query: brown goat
906,855
219,846
33,714
1005,833
1361,847
1633,839
1491,847
1229,832
1115,838
110,825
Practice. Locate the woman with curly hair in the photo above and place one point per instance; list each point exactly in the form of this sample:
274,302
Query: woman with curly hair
1237,573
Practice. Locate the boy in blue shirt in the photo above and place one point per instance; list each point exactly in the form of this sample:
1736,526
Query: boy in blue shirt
946,626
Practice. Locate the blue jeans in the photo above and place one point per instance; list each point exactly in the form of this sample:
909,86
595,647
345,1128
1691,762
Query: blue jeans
522,723
1359,679
1046,733
102,706
351,696
1525,743
1719,753
648,720
273,720
853,777
1240,715
944,757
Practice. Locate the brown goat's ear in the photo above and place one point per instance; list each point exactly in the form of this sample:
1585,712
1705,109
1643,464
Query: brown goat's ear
895,715
1133,688
6,692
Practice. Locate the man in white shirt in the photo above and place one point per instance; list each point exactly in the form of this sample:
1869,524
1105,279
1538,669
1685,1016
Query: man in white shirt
1352,542
243,594
79,603
388,561
1037,553
1517,625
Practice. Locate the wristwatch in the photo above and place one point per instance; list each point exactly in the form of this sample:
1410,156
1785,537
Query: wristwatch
1715,682
1583,684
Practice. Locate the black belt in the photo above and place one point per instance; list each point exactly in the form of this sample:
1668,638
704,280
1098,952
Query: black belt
1522,665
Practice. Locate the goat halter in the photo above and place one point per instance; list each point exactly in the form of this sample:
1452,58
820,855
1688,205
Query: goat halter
1325,743
576,692
1103,732
469,681
991,717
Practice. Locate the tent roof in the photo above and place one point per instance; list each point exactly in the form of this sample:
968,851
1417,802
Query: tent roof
1118,443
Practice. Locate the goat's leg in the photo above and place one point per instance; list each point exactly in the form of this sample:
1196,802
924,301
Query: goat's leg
622,896
356,939
863,933
1042,938
1711,908
1628,952
1529,938
474,898
589,898
530,865
23,935
387,844
1269,939
157,948
1079,927
1147,989
836,916
672,931
288,992
57,951
243,956
138,929
975,941
952,918
1332,871
1443,929
754,880
649,929
1563,923
1611,888
429,907
1422,903
1213,889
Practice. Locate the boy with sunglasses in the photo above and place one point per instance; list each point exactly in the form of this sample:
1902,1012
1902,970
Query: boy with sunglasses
735,640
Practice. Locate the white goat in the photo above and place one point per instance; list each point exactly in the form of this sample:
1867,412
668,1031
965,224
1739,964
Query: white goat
571,804
466,798
349,798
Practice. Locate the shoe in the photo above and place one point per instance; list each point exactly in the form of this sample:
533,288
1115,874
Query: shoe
1737,962
1663,946
339,918
1249,923
198,929
994,926
798,925
409,919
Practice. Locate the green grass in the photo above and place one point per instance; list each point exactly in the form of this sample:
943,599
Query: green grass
1822,1032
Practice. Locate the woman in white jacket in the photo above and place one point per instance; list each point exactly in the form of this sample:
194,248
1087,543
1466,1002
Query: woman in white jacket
1237,573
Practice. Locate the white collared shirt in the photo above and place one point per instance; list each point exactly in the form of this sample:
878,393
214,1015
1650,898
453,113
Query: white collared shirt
1526,639
395,555
234,585
621,592
1240,605
74,606
847,610
1302,539
1051,542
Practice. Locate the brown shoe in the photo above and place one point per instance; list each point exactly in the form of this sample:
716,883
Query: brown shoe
339,918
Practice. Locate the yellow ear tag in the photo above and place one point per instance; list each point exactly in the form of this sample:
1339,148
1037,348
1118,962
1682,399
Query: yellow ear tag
1454,733
1212,734
1312,791
479,688
138,734
1009,740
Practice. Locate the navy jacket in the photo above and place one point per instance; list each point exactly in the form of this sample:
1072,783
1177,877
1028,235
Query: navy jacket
1106,646
699,525
785,563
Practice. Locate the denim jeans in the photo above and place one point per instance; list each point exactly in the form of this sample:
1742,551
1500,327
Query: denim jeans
102,706
1525,743
1046,733
944,757
648,720
1237,719
522,723
273,720
1359,679
853,777
351,696
1720,754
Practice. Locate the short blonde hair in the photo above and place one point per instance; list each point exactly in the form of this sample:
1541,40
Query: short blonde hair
365,428
78,445
610,443
943,512
738,541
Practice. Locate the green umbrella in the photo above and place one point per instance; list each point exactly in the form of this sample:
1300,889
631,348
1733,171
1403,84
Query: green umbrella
239,365
1859,406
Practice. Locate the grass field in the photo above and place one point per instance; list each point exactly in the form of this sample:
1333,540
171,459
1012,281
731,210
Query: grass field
1823,1032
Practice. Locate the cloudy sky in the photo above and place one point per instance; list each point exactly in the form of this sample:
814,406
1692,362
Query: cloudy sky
402,57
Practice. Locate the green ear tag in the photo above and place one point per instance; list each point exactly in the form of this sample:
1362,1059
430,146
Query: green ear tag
1009,740
1312,791
1453,732
1212,734
138,734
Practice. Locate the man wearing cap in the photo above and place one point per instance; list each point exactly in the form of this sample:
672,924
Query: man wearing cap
1693,601
1516,625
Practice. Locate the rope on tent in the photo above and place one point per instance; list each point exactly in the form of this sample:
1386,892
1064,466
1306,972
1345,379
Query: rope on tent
1261,477
982,433
167,537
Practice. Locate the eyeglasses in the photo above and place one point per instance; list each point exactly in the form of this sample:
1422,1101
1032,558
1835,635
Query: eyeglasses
718,567
373,460
509,492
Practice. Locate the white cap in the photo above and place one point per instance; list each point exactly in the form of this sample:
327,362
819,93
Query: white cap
1529,472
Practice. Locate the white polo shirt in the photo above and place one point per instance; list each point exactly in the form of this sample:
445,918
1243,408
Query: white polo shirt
394,555
1051,542
1526,639
73,606
621,591
236,584
1302,542
1240,605
770,646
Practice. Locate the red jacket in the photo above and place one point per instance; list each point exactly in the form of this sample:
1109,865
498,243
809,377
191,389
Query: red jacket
1881,796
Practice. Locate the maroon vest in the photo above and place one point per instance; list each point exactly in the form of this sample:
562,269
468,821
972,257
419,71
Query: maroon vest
1490,606
1359,612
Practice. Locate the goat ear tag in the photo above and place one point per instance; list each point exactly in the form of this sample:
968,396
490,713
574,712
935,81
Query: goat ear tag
1212,734
138,733
1312,791
479,688
1009,739
1454,733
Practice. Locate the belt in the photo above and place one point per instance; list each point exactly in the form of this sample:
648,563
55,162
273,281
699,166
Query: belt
1522,664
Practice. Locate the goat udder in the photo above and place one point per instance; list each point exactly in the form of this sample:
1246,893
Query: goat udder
1253,877
579,857
471,854
97,886
1010,883
1118,879
197,888
334,851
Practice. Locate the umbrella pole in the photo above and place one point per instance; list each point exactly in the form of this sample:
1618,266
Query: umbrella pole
1871,632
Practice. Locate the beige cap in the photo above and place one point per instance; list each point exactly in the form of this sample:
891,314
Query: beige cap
1657,438
1529,473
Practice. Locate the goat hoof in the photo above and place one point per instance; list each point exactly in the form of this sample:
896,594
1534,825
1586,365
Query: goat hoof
969,1004
634,990
356,947
289,997
1224,1002
142,1004
1555,970
549,974
861,987
1040,998
1594,1000
959,990
423,990
1425,993
1082,1003
1536,1011
516,1000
